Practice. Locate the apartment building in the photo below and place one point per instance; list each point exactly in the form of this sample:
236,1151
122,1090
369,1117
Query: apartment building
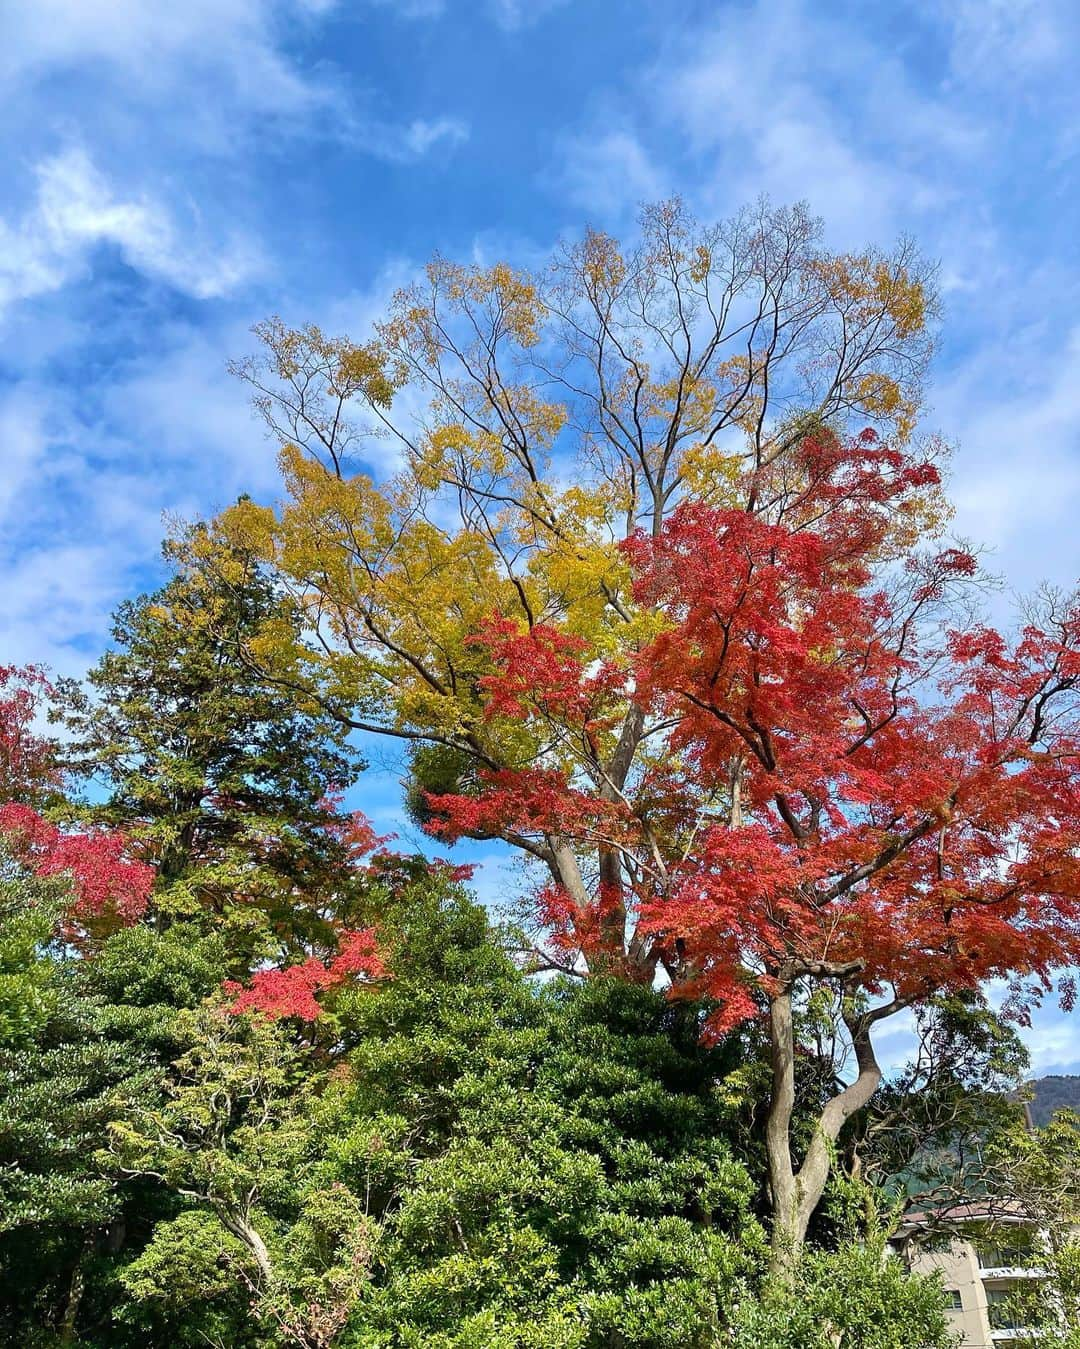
981,1278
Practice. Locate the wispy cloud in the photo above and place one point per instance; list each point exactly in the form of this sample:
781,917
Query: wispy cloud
24,436
761,99
241,157
219,76
418,138
1019,38
77,210
607,170
510,15
241,44
412,9
514,14
1017,413
792,100
89,480
927,127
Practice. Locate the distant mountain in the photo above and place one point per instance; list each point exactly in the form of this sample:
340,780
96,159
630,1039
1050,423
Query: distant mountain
1054,1093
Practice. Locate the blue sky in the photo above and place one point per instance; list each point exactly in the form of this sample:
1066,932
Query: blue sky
174,172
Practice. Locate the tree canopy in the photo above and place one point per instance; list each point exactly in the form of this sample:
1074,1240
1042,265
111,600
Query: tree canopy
658,595
641,559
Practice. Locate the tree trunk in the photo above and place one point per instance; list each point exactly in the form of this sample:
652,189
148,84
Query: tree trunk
76,1288
610,954
786,1236
796,1193
612,912
239,1226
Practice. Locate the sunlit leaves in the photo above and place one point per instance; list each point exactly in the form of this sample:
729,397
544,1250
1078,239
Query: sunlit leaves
108,888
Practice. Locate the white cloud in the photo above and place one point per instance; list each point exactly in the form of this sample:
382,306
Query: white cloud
1020,38
1017,58
420,136
761,98
58,600
412,9
23,440
90,481
209,75
510,15
176,410
1016,483
1052,1042
790,100
797,101
514,14
608,171
77,210
151,45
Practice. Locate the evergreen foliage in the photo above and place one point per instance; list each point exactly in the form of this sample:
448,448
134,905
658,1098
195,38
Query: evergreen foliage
78,1038
455,1158
224,780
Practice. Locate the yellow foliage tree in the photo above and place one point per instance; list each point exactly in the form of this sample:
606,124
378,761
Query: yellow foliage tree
534,422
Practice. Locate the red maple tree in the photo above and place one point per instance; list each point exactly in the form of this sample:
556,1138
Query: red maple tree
290,991
108,888
27,759
833,777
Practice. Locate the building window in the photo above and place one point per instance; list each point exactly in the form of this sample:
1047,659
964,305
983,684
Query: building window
1003,1311
1012,1256
953,1301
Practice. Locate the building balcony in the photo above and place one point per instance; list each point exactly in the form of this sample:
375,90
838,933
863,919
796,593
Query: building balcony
1010,1262
1011,1272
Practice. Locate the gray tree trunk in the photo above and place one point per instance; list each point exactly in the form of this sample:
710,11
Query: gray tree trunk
796,1191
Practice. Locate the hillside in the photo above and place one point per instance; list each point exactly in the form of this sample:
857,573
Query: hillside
1054,1093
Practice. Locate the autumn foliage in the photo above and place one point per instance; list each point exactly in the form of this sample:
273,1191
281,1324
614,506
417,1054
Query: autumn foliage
645,602
839,778
290,992
27,759
649,604
108,888
809,807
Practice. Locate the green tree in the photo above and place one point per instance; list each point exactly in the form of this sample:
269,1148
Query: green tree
927,1129
572,1185
448,1158
454,1158
857,1297
1036,1179
238,1139
56,1072
223,781
78,1036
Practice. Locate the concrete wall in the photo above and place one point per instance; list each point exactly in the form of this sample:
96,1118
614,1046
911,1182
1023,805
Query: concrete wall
959,1266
